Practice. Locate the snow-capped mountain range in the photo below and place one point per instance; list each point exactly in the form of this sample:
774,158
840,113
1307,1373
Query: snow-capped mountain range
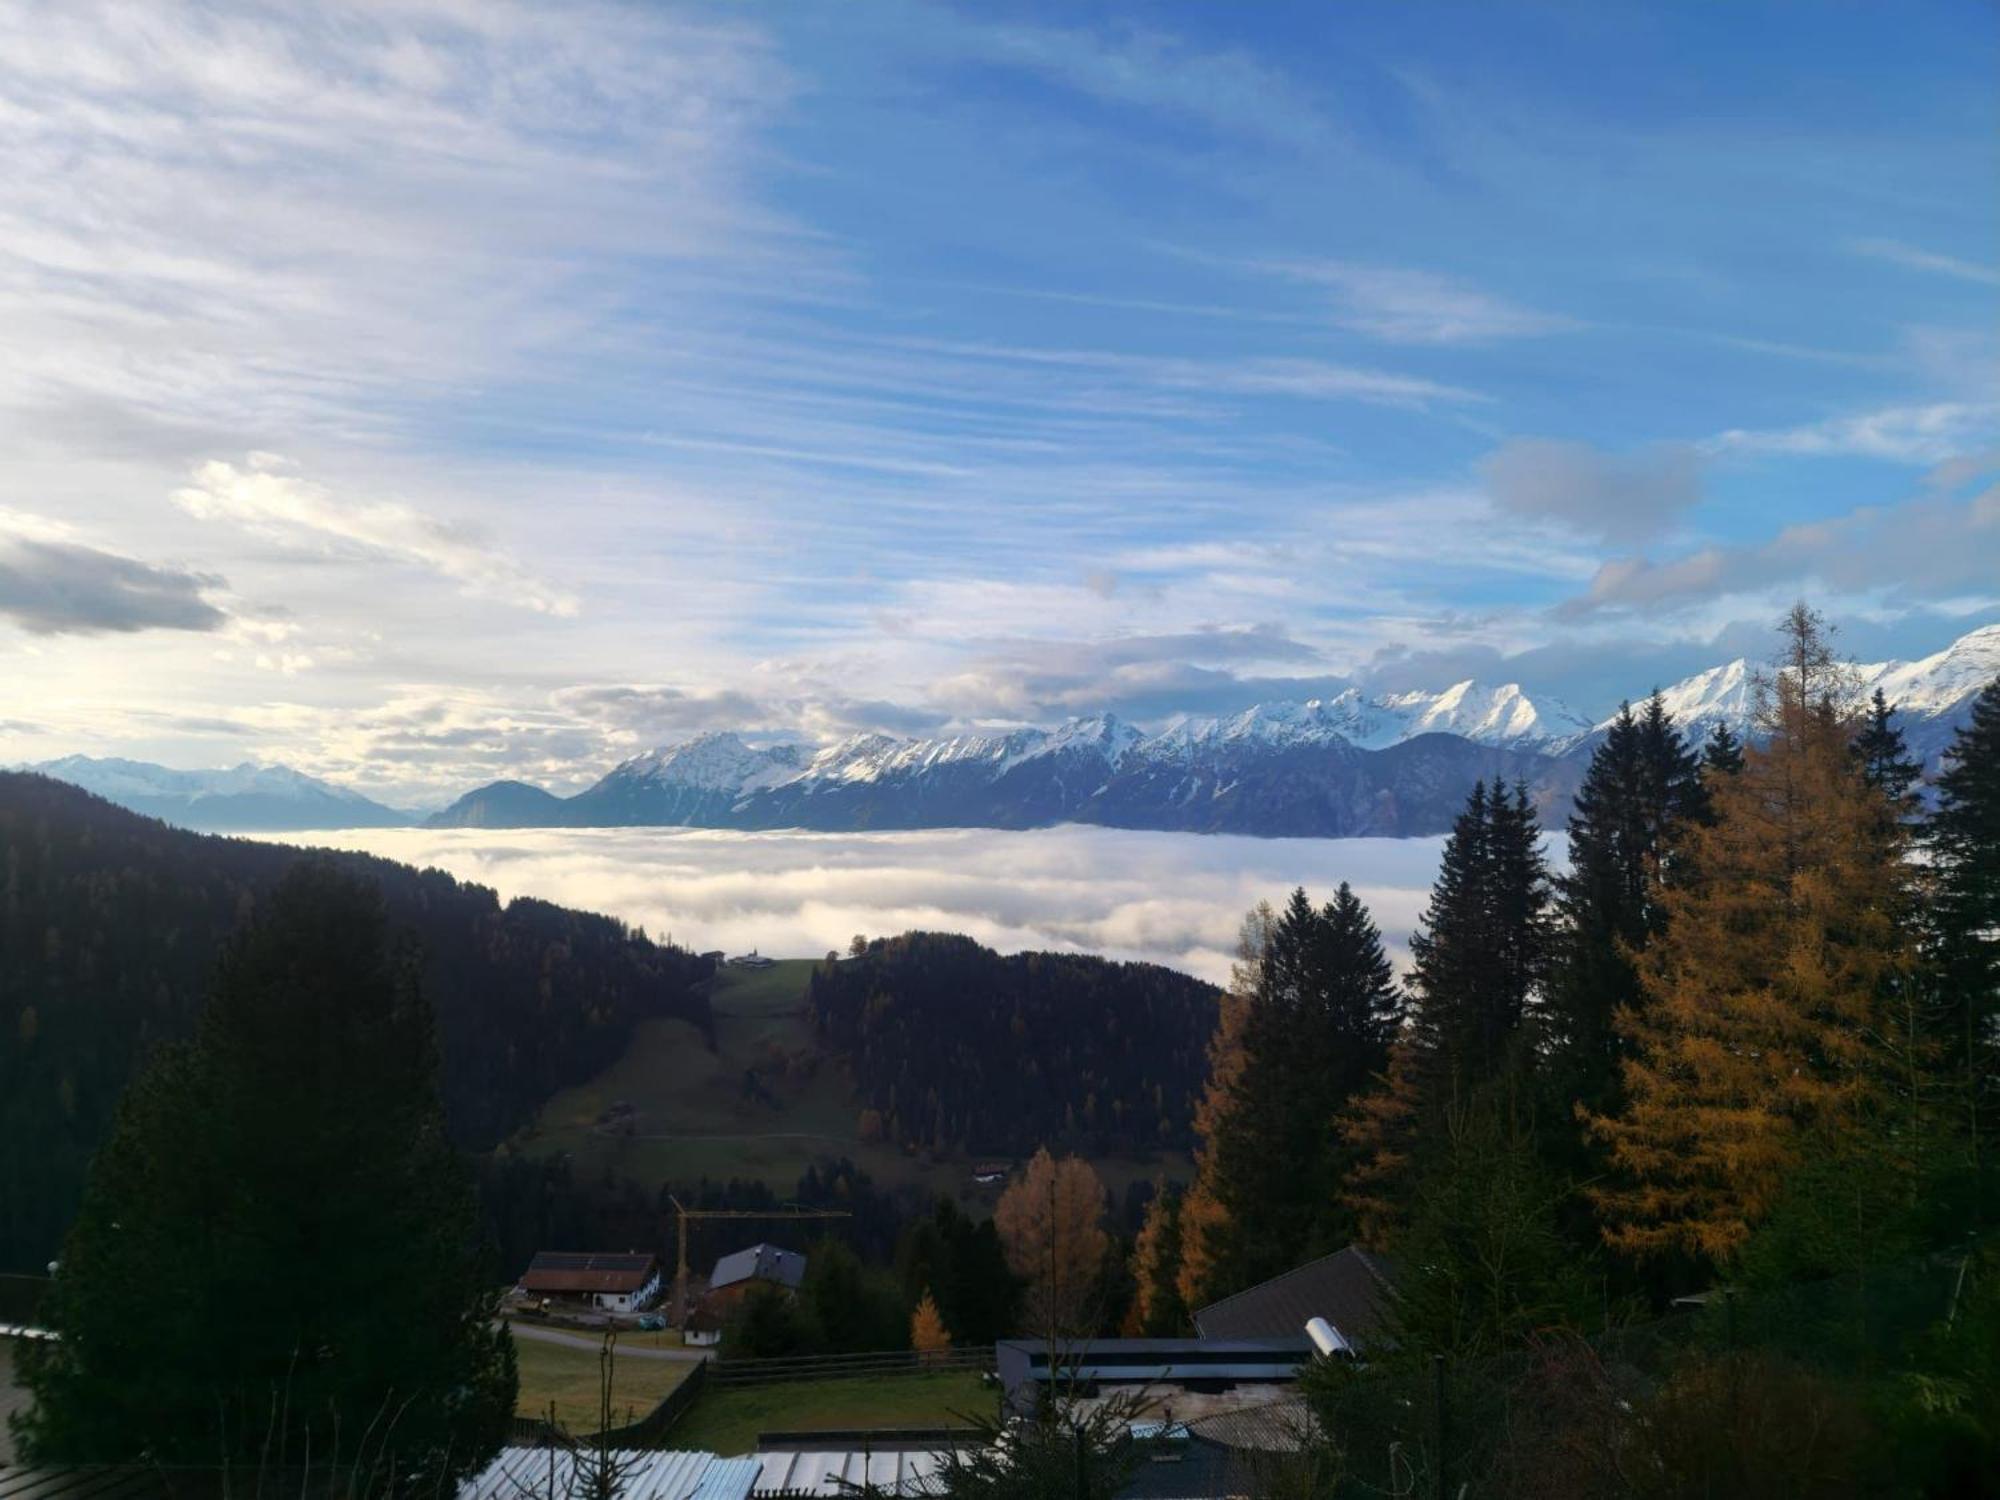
1351,764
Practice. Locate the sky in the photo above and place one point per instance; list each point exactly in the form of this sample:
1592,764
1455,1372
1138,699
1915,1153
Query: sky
429,391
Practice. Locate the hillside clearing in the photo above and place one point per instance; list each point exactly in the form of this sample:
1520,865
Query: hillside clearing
765,1105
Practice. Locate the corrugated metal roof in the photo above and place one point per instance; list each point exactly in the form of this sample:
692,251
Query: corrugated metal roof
83,1482
1351,1289
842,1471
523,1473
760,1263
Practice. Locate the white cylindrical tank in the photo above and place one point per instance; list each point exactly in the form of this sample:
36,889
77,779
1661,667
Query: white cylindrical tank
1326,1338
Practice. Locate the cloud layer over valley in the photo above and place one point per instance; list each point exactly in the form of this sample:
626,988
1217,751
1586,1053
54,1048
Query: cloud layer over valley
1167,898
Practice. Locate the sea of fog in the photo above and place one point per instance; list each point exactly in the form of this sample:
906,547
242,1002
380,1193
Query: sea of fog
1172,898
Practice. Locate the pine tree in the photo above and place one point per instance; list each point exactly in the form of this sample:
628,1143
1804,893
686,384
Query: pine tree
1964,842
1484,1264
1481,950
1482,953
1318,1026
1762,1004
1643,787
277,1246
1885,759
1722,752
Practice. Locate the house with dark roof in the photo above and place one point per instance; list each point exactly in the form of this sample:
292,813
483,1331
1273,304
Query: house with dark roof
1351,1289
760,1265
613,1283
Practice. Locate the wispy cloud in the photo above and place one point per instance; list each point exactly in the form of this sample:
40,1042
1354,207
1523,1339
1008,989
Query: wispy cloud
1916,258
1401,305
1928,434
1225,89
265,498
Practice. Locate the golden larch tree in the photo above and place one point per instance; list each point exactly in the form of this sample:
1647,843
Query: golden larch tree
1050,1228
928,1334
1759,1017
1204,1220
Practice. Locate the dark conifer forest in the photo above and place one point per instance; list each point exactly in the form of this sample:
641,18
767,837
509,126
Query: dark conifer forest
955,1046
110,928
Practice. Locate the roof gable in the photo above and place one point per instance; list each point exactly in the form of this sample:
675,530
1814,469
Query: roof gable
1352,1289
760,1263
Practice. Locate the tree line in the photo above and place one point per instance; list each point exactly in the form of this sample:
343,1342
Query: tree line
1749,1036
954,1047
111,925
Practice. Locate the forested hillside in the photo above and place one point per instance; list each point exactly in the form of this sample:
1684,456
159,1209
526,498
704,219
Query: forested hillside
110,925
954,1045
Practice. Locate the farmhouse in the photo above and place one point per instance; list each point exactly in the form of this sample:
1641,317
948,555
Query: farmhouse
760,1265
613,1283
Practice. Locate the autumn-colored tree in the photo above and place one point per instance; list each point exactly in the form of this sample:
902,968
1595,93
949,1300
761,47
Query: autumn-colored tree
1204,1221
1049,1223
927,1331
1157,1310
1380,1129
1756,1028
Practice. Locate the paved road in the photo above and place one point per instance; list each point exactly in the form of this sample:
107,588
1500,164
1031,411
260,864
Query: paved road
593,1342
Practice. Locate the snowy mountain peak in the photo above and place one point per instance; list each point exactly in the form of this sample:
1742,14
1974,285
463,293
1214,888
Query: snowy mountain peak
1503,715
716,761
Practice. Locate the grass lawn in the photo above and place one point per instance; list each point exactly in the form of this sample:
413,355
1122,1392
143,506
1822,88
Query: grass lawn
691,1116
727,1420
568,1376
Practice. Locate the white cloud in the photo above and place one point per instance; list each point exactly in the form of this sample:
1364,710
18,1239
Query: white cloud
1929,434
1169,898
265,499
1401,305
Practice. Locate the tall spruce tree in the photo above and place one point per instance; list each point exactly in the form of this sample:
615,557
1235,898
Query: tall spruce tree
1317,1030
1964,842
275,1259
1482,953
1758,1033
1721,752
1643,787
1482,947
1884,758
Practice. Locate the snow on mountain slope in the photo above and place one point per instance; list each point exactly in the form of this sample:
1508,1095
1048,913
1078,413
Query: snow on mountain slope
714,762
1937,684
1931,688
1501,715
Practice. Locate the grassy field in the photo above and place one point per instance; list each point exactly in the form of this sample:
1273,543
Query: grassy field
727,1421
568,1376
670,1109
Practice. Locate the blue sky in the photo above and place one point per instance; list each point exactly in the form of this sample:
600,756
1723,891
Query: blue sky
420,392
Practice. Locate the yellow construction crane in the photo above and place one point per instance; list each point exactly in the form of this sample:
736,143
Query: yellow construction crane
681,1268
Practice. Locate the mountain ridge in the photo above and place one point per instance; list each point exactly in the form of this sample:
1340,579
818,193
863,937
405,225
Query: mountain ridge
1343,765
